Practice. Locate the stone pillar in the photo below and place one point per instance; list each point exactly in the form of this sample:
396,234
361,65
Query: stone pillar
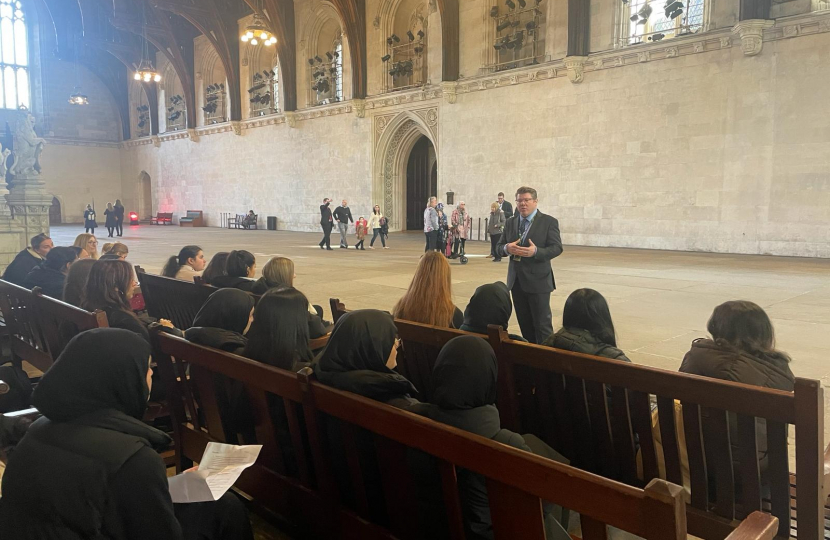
28,201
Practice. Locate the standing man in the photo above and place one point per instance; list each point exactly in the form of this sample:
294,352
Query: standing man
343,216
531,239
431,225
327,222
505,206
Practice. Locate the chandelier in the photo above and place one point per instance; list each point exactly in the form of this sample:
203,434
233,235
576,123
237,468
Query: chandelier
146,72
78,98
257,32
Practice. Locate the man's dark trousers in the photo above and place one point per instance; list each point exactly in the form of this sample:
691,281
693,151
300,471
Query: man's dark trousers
533,313
326,241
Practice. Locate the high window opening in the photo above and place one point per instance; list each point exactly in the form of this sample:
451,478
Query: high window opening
14,56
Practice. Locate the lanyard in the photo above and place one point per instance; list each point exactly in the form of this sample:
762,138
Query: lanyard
529,224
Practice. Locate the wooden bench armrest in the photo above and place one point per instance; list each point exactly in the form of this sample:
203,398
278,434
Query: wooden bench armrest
756,526
24,413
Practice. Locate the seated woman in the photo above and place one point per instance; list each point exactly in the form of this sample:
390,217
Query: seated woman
109,287
223,321
278,272
189,263
90,468
279,333
116,250
360,357
490,304
75,284
249,219
50,275
429,297
216,267
587,327
239,269
88,243
464,379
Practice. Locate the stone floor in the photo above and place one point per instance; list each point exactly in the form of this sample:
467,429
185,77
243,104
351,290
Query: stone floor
660,300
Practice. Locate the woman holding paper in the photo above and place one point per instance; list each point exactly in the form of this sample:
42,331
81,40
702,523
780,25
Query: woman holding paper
89,467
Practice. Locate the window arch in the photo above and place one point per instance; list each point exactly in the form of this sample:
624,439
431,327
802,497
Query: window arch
14,56
643,22
338,66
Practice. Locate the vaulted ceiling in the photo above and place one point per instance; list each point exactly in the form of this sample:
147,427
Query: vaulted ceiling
108,36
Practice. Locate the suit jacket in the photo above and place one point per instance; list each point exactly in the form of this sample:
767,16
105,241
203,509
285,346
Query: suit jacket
325,215
507,208
534,273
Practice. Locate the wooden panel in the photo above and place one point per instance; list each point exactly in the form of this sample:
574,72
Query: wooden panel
584,452
623,439
350,446
747,471
641,421
778,475
668,434
515,513
292,412
449,485
809,458
266,432
757,526
600,429
719,459
698,479
592,529
398,487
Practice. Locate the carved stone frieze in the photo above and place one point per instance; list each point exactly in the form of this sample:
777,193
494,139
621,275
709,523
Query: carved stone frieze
193,134
576,68
359,106
751,33
450,91
291,119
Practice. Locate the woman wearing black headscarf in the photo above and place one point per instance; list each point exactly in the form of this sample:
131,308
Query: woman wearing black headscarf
360,357
89,468
223,321
490,304
464,378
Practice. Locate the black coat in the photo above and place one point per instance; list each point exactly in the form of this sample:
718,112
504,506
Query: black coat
507,208
534,273
118,318
582,341
89,219
342,214
99,476
325,215
51,281
110,216
23,263
217,338
119,213
233,282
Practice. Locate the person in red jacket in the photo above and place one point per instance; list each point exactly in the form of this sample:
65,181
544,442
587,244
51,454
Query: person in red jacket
361,230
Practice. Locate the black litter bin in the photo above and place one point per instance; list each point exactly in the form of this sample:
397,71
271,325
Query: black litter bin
272,223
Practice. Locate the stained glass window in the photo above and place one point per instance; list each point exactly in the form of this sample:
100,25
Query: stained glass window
14,56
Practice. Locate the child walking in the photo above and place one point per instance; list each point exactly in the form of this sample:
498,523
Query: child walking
361,230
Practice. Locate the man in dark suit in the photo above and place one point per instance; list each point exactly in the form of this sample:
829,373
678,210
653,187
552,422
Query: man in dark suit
531,239
327,222
505,207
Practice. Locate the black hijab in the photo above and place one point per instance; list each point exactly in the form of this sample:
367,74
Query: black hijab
490,304
228,309
355,357
464,375
100,369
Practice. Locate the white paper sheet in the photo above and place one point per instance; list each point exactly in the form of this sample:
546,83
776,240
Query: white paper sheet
219,468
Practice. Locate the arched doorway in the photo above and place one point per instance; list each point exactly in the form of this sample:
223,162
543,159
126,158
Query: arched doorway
145,196
55,212
421,183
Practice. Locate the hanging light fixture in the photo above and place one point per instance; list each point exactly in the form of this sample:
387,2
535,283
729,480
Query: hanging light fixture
257,32
77,98
145,71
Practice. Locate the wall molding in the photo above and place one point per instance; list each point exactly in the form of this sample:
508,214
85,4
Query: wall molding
58,141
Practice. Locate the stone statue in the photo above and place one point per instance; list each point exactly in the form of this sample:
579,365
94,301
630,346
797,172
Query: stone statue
24,161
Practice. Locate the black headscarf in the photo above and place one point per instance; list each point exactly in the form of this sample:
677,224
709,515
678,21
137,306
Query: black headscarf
464,375
490,304
355,357
228,309
100,369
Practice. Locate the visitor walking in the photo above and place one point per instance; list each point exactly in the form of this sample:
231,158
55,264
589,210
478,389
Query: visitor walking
109,214
89,220
343,216
327,223
431,224
461,224
119,218
495,226
375,225
361,229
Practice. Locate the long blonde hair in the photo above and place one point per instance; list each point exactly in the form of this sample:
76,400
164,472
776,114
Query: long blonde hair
279,271
429,297
81,241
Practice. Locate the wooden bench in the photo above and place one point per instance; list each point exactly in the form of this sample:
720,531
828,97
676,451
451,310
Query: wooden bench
60,322
162,218
172,299
194,218
598,413
295,479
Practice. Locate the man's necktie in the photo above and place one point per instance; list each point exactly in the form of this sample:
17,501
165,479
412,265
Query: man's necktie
523,227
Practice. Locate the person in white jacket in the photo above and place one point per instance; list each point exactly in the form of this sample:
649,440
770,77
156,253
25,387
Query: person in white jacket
375,225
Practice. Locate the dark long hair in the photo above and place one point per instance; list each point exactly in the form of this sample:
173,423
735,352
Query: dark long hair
588,310
174,263
238,263
279,333
75,284
108,286
59,257
216,267
746,326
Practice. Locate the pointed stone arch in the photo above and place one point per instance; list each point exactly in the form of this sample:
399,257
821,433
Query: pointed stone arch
395,137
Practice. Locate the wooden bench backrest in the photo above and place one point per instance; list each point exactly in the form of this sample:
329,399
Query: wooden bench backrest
26,340
60,322
309,415
597,412
176,300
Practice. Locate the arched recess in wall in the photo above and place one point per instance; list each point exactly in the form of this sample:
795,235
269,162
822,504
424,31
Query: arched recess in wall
144,192
211,86
321,31
169,87
396,136
260,61
398,16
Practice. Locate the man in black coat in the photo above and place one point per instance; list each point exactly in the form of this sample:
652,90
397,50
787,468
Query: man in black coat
51,275
343,216
505,206
27,259
327,222
531,239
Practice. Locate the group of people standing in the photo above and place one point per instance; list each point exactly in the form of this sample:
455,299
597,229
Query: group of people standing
114,215
342,216
446,235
